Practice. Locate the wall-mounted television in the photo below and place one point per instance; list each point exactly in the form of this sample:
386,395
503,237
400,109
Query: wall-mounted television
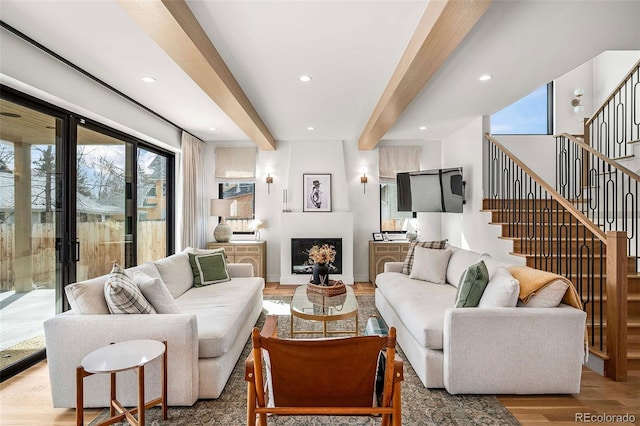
439,190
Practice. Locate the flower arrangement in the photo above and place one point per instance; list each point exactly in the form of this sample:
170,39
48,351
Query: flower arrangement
322,254
256,225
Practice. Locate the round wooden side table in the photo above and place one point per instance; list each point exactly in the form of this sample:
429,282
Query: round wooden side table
118,357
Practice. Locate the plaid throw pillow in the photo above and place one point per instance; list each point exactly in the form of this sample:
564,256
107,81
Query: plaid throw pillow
408,261
123,295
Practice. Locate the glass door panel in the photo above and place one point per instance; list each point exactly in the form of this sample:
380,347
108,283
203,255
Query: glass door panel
30,217
102,232
152,206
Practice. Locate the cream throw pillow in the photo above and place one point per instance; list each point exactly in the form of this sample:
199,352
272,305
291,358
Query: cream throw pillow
502,290
157,293
430,265
549,297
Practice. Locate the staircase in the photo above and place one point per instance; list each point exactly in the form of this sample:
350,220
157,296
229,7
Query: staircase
541,237
587,227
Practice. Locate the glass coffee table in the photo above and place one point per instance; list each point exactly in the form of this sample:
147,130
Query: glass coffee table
313,306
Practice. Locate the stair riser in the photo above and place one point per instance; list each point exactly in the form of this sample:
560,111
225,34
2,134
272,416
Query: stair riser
520,203
545,246
573,265
533,230
633,307
532,216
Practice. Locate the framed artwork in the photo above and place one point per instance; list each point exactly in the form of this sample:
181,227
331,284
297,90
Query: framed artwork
317,192
377,236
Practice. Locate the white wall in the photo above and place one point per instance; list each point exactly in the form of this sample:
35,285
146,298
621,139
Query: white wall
345,162
30,70
469,229
609,68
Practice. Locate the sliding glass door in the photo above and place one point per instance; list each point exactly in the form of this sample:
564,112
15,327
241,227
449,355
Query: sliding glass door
75,196
30,228
103,225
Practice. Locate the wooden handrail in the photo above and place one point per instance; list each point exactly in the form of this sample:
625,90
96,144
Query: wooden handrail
613,93
601,156
559,198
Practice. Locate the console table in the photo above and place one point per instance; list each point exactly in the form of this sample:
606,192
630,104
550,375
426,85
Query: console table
381,252
253,252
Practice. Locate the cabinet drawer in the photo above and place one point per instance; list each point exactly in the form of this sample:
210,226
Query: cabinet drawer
386,249
247,250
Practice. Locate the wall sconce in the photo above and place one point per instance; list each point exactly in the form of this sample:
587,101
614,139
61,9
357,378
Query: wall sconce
364,180
576,102
269,180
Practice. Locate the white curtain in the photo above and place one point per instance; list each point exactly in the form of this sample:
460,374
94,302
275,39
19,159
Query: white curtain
235,164
194,213
395,159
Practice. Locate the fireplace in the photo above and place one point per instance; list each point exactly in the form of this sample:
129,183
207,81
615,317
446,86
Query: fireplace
300,263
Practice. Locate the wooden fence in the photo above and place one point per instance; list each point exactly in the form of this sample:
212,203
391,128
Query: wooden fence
100,244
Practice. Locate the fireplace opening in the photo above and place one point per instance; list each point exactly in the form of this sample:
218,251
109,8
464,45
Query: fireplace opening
300,263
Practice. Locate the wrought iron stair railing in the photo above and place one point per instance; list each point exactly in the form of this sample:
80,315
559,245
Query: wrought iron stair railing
616,123
556,236
600,188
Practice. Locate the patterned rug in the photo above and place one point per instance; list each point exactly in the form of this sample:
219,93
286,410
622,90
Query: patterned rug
420,406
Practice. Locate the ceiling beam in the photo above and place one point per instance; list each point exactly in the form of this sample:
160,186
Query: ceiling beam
172,25
442,28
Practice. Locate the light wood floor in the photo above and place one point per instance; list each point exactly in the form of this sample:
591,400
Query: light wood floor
25,399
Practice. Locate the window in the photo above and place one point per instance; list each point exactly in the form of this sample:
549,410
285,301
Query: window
531,115
391,220
242,207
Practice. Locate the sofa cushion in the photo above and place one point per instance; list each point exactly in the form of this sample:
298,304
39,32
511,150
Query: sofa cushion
493,264
87,297
549,297
221,310
420,305
408,261
460,260
176,273
209,268
154,290
472,285
123,296
501,292
430,265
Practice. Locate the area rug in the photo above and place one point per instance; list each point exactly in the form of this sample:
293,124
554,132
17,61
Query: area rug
420,406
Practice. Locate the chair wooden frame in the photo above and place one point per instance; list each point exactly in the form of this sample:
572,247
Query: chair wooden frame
390,404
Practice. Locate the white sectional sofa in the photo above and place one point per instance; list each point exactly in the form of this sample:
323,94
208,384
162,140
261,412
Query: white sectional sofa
204,340
480,350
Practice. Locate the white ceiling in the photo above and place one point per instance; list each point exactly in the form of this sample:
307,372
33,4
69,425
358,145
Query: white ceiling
350,48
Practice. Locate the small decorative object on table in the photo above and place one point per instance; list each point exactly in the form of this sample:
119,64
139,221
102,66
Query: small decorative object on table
256,225
321,257
333,289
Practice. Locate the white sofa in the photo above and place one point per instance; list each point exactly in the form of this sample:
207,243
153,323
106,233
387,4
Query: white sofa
204,340
480,350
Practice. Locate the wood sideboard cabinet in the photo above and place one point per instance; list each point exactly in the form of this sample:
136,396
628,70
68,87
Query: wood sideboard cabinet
254,252
381,252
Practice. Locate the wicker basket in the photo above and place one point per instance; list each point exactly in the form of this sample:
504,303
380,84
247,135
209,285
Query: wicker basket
320,299
333,289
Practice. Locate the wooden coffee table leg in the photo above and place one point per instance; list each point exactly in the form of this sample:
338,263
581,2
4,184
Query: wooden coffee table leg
79,396
141,409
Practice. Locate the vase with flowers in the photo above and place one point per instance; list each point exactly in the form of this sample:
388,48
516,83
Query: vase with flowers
256,225
321,257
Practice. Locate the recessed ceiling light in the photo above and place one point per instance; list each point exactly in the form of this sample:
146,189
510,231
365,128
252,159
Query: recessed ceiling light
213,129
485,77
148,79
422,128
311,128
305,78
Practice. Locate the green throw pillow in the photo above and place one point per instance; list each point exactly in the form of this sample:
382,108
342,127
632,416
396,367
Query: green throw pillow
472,284
208,268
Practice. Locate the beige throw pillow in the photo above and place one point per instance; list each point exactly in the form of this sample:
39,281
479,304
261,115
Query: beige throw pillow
430,265
408,261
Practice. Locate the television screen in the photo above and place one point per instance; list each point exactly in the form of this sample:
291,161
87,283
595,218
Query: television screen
440,190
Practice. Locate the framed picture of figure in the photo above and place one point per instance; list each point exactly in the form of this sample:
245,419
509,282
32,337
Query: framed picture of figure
317,192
